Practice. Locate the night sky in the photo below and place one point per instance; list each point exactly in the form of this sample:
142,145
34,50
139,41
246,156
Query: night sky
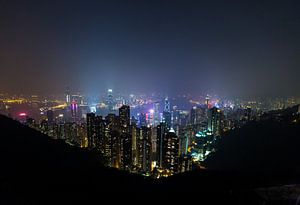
234,48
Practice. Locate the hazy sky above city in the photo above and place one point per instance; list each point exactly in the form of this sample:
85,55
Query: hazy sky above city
235,48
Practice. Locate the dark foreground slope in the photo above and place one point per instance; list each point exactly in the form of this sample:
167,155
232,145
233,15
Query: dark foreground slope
37,170
266,147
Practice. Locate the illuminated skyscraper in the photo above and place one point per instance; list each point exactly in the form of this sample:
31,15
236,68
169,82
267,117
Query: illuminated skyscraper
126,141
91,133
68,96
167,107
167,116
110,100
156,114
198,115
214,125
207,102
161,131
134,132
144,149
113,135
75,112
171,152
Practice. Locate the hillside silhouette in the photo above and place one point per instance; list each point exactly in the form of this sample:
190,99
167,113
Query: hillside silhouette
267,146
38,170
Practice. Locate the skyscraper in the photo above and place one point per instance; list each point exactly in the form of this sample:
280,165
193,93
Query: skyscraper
156,114
214,125
198,118
161,131
113,136
110,100
126,139
68,96
144,149
167,107
90,120
171,152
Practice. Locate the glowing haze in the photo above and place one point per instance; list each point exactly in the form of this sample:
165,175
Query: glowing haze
241,48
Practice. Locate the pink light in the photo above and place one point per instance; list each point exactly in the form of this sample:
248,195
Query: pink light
22,114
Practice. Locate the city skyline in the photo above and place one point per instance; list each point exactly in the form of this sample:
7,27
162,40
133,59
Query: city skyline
233,48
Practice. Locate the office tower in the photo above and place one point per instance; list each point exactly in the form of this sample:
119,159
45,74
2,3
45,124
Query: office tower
50,117
171,152
207,102
198,115
78,99
75,115
144,150
167,107
150,117
184,140
214,125
167,117
110,100
161,131
126,141
156,114
68,96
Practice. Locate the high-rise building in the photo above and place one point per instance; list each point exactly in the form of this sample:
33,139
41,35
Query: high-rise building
134,132
167,116
156,114
75,112
214,125
110,100
167,107
113,136
126,138
171,152
99,129
90,121
167,119
68,96
144,149
198,115
160,137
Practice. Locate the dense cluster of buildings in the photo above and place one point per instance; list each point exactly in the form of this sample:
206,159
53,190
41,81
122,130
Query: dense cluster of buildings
158,142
